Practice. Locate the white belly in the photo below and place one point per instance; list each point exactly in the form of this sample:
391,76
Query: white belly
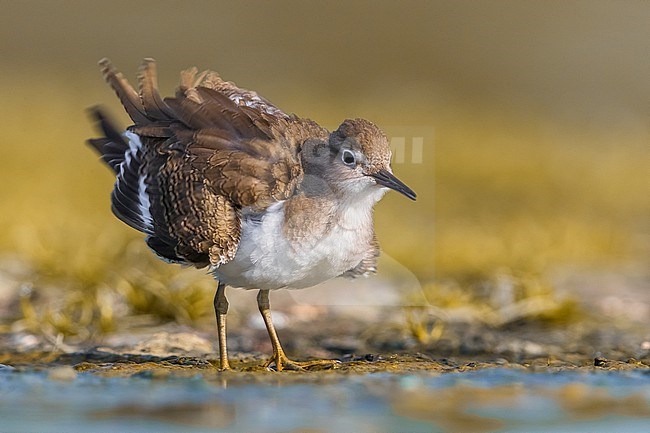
265,259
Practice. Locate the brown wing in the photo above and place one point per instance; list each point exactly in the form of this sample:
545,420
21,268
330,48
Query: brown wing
242,97
203,156
245,154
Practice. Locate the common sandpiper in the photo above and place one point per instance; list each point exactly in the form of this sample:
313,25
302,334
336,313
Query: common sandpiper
219,177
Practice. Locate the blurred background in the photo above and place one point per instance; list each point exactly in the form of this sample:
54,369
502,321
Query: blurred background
533,182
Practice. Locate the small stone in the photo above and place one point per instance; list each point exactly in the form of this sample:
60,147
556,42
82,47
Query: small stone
533,349
85,366
370,357
645,345
64,373
600,361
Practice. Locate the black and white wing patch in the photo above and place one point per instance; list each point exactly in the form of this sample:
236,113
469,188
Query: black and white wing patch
124,154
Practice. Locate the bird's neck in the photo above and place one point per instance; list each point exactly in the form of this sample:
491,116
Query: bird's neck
315,216
354,209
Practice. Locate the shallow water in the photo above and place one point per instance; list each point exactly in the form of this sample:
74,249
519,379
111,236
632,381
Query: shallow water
480,401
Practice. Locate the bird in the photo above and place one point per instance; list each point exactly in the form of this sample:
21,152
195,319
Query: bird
218,177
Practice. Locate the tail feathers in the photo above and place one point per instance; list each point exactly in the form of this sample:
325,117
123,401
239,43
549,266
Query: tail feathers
154,106
112,147
123,154
144,106
125,92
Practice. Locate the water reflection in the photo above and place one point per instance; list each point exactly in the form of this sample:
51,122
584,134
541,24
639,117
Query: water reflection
481,401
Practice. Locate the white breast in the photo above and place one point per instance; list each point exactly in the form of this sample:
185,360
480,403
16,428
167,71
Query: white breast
265,259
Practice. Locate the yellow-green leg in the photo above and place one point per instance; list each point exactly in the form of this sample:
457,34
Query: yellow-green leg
221,309
279,358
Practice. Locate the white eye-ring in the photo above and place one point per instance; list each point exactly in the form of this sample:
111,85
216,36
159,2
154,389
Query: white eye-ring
348,158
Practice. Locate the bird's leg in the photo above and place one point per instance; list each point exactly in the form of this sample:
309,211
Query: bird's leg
221,309
279,358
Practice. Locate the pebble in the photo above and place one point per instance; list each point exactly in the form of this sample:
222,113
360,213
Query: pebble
645,345
600,361
64,373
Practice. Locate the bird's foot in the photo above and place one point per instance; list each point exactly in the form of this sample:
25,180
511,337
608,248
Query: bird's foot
225,365
281,362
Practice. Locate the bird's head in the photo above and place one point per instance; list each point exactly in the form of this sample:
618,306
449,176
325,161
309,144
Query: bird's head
361,156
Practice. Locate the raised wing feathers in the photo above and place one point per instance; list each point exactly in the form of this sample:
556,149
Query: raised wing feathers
202,157
152,103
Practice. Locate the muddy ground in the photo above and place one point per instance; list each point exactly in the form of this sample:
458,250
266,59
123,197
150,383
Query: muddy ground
360,347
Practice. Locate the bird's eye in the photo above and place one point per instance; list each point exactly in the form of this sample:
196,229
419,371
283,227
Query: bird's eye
348,157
